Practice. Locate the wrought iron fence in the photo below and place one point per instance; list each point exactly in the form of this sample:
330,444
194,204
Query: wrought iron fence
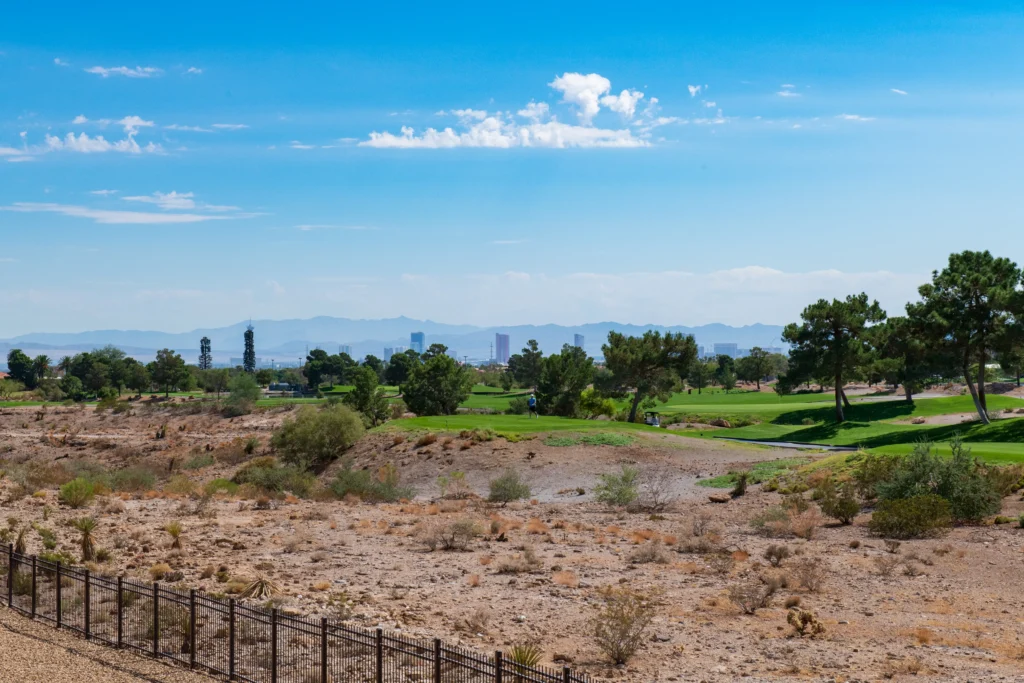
241,641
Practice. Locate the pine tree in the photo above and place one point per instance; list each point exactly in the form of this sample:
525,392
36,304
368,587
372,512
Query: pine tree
205,357
249,355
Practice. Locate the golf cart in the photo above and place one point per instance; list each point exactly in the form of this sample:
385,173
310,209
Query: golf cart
651,418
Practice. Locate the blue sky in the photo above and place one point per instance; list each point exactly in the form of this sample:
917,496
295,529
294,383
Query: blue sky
170,168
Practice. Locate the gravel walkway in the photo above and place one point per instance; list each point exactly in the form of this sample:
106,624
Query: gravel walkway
32,652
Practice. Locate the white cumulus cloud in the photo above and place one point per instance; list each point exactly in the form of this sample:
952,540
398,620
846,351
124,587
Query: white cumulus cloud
584,91
623,103
98,144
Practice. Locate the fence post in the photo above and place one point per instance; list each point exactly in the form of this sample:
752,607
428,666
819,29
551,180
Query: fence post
192,629
566,675
33,586
437,660
60,610
120,612
273,645
10,575
323,649
499,666
380,655
88,606
156,619
231,639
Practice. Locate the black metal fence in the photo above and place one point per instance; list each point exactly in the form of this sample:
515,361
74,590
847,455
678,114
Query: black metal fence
240,641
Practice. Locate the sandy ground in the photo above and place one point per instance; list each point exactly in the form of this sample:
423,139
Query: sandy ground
949,609
35,653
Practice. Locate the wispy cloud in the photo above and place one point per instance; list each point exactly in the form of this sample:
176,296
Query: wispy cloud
296,144
178,201
696,89
103,193
195,70
230,126
855,117
311,227
191,129
787,93
90,145
137,72
57,61
111,217
508,242
898,91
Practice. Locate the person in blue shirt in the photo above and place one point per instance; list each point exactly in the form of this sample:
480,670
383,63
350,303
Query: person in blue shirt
532,403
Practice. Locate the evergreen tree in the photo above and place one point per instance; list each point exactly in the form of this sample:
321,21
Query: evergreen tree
205,357
650,366
249,355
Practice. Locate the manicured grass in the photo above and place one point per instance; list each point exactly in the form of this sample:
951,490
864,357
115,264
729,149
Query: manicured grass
517,424
997,453
492,401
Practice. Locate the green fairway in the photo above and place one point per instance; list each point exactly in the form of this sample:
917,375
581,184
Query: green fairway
998,453
517,424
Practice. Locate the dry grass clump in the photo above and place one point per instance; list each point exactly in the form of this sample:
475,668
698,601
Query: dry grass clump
526,562
565,578
810,573
159,571
426,440
900,667
755,594
322,586
535,526
775,554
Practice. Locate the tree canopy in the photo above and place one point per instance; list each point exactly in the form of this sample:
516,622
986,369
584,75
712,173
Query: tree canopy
648,367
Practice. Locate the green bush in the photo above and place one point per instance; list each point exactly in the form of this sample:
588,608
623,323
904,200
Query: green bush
841,505
961,480
518,406
220,486
266,475
914,517
198,462
508,487
77,493
315,438
244,392
871,470
382,488
618,489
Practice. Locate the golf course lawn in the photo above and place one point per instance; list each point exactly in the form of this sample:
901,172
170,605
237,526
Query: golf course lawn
517,424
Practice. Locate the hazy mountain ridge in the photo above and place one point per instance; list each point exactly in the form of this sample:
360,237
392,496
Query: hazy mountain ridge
286,340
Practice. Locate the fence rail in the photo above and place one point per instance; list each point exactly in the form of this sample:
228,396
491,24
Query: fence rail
241,641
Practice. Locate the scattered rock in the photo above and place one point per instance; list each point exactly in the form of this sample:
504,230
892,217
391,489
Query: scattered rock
720,498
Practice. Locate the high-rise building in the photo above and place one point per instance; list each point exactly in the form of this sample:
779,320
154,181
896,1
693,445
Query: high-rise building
418,342
501,348
577,341
727,349
346,349
391,351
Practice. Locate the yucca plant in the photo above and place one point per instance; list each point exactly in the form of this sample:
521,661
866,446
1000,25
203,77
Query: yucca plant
524,655
19,543
86,526
260,588
174,530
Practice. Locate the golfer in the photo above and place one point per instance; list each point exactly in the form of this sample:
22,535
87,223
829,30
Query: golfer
532,403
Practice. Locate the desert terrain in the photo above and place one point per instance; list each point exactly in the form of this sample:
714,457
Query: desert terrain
945,608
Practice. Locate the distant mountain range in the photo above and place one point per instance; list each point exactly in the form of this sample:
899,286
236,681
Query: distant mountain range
287,340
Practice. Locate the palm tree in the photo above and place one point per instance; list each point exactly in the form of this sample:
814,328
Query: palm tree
65,364
41,365
86,525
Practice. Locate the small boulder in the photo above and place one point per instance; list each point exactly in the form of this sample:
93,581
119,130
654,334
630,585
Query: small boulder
719,422
719,497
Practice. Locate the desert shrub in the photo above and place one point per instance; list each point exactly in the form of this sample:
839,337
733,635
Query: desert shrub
871,471
775,554
450,535
773,522
841,505
132,479
384,487
809,572
621,623
754,594
914,517
525,562
180,485
618,489
518,406
77,493
427,439
508,487
266,475
453,485
522,656
647,553
314,438
960,480
199,461
654,490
